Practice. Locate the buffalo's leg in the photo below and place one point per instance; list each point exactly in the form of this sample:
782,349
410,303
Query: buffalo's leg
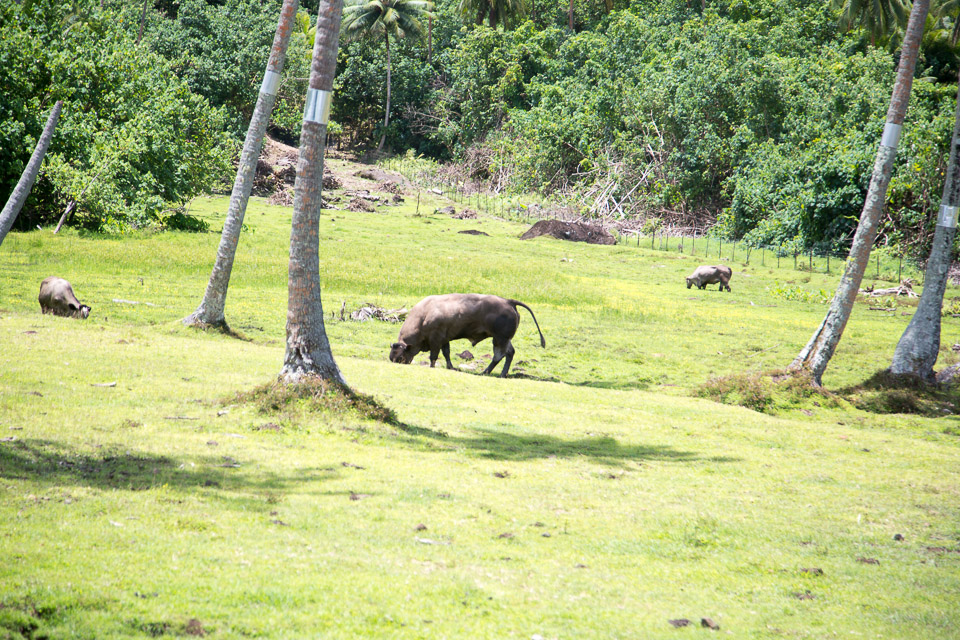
497,357
506,363
446,354
434,354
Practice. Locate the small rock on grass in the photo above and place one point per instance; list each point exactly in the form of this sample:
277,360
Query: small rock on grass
898,537
680,622
868,560
420,527
813,571
708,623
806,595
501,474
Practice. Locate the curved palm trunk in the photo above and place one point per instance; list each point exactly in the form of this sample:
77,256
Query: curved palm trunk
29,175
308,349
919,346
386,115
816,355
210,311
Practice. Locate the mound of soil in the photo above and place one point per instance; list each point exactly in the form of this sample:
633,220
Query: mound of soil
474,232
573,231
390,187
361,204
377,175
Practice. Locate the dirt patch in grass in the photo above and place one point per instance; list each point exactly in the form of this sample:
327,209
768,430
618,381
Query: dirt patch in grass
886,393
315,395
573,231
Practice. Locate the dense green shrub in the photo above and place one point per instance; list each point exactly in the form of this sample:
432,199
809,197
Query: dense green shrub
127,122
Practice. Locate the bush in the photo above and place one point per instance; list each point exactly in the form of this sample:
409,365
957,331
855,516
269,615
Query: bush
131,133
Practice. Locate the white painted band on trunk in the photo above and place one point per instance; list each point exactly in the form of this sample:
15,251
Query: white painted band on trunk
891,135
271,80
948,216
318,106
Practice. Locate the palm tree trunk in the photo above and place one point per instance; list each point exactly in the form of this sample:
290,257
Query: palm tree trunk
429,39
211,309
308,349
919,346
816,355
143,18
492,18
386,114
608,6
570,15
29,175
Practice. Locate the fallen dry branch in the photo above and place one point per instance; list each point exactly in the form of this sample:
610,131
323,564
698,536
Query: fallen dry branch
904,289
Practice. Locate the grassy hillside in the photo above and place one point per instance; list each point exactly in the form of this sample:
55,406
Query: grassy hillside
592,496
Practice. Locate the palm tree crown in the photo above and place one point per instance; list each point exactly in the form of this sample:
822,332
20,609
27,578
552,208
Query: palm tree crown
879,18
375,18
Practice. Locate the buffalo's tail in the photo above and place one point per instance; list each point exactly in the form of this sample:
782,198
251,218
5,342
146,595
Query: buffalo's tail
517,303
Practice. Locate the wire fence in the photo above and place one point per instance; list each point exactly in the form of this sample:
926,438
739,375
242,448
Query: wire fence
423,175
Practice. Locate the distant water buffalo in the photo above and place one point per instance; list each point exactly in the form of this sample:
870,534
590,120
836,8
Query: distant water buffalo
56,297
435,321
710,275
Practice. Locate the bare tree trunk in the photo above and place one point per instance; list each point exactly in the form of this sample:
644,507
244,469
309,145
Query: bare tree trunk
308,349
919,346
386,115
211,309
29,175
570,15
143,18
816,355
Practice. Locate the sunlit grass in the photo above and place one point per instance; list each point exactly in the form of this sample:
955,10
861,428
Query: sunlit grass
591,496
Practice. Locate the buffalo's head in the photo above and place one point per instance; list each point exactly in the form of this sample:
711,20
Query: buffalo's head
689,282
401,352
82,311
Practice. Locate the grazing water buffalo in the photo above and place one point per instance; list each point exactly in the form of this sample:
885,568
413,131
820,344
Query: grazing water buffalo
435,321
710,275
56,297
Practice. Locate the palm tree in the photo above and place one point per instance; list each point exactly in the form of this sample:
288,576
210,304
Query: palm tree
814,357
210,311
372,19
496,12
919,346
29,175
879,18
308,349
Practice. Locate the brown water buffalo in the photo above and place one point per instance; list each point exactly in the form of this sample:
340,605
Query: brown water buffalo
435,321
56,297
710,275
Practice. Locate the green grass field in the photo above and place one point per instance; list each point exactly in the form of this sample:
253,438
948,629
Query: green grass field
592,496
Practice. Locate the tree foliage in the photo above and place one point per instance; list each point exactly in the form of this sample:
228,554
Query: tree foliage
127,120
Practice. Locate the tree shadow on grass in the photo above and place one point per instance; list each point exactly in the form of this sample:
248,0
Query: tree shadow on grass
499,445
57,465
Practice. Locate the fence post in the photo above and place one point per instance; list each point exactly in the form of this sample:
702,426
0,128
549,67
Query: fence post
693,245
748,255
794,259
761,256
720,250
828,262
733,256
899,266
653,238
878,266
811,259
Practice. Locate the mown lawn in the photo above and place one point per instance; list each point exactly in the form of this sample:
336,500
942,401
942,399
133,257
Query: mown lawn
593,496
